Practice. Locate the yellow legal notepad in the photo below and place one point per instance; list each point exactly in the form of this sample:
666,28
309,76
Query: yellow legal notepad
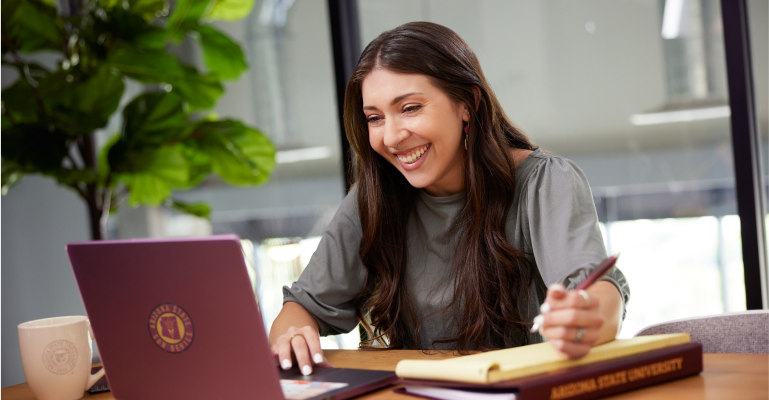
501,365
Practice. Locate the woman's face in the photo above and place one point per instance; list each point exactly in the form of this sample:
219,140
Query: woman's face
417,128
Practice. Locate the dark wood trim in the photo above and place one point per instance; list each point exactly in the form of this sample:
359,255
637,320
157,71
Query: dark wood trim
746,146
345,39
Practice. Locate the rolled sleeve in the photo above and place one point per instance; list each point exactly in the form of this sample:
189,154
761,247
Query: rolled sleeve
564,236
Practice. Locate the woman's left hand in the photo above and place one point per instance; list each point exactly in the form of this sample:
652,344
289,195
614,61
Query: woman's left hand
570,320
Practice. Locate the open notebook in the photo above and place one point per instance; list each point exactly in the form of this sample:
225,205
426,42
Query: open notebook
539,372
518,362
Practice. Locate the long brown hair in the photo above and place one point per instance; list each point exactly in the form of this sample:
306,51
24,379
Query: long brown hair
491,277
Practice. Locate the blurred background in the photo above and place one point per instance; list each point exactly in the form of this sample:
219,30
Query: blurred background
634,91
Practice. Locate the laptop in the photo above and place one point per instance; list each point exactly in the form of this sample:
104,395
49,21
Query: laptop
177,318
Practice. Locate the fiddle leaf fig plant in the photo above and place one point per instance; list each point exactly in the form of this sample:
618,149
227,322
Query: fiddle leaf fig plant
167,141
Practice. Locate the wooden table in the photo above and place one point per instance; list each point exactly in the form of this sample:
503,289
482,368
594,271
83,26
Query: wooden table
726,376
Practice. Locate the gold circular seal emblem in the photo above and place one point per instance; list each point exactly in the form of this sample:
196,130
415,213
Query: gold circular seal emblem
60,357
171,328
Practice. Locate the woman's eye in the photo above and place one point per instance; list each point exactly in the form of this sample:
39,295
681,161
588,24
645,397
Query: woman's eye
410,109
373,119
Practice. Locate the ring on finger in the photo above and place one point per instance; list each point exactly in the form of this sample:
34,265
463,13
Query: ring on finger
295,335
580,335
585,296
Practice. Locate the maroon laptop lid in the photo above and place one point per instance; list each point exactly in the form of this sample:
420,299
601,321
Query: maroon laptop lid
175,318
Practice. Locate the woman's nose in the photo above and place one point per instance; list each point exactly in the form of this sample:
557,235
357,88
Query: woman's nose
394,134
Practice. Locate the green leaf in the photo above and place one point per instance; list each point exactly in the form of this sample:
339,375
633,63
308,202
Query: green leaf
100,96
146,189
152,118
108,4
104,166
38,27
9,27
198,160
202,210
224,57
71,177
11,175
92,101
155,172
8,13
149,66
149,9
118,155
241,155
185,15
201,91
152,37
128,27
231,10
76,103
19,103
28,25
34,147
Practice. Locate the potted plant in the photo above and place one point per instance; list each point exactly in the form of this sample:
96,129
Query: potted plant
167,140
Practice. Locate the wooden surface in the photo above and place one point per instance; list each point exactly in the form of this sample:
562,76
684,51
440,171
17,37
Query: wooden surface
726,376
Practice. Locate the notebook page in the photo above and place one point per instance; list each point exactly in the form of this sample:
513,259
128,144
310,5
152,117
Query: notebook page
495,366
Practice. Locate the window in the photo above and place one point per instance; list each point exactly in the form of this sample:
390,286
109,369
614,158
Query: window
636,94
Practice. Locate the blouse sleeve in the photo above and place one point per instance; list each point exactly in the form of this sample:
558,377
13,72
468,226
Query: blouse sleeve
335,275
563,226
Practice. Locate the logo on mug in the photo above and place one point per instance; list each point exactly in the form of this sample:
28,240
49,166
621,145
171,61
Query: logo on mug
60,357
171,328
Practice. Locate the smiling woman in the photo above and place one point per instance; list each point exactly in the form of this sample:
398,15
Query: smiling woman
457,223
417,128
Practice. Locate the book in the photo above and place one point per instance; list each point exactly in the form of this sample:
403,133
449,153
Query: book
582,382
577,383
506,364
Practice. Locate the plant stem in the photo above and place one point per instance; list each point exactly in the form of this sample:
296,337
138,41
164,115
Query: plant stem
80,191
32,82
95,204
94,215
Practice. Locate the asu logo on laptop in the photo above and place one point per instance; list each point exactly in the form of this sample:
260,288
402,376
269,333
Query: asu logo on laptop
171,328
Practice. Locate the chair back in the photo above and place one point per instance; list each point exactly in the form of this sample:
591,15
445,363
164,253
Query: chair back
737,332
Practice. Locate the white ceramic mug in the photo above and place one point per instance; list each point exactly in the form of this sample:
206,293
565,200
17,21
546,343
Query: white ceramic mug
56,354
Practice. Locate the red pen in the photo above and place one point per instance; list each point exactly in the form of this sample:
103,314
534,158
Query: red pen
597,273
602,270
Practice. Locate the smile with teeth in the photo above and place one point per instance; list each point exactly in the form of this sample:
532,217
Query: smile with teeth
414,155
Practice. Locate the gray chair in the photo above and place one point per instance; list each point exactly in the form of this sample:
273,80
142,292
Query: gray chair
737,332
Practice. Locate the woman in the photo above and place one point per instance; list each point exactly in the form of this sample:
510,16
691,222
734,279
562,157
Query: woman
456,224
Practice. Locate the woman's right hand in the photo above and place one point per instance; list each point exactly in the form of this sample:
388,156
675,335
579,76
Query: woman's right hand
301,345
294,338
